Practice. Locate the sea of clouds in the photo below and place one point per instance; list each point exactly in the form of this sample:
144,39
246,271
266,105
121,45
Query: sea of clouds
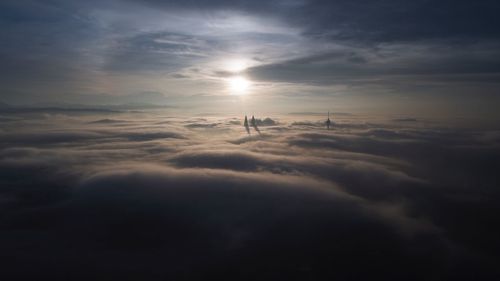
151,195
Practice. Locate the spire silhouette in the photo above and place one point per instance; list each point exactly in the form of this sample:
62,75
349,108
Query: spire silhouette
253,122
246,125
328,121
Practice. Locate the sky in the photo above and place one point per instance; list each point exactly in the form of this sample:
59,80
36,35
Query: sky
124,153
422,57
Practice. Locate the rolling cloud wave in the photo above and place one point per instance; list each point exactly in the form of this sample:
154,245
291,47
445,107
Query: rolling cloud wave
146,197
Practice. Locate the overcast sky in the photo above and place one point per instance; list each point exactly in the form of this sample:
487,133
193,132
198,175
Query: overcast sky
313,54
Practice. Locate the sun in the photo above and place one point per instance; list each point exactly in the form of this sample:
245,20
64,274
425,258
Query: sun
238,85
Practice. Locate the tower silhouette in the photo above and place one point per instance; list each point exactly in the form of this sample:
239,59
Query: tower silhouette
328,122
246,125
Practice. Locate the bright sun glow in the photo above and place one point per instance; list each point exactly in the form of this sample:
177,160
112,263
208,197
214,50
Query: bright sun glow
238,85
236,65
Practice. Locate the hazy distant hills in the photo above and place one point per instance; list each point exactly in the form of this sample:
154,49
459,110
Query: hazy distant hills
60,107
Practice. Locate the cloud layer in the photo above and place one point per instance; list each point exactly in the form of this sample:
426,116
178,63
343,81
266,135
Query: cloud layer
146,195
